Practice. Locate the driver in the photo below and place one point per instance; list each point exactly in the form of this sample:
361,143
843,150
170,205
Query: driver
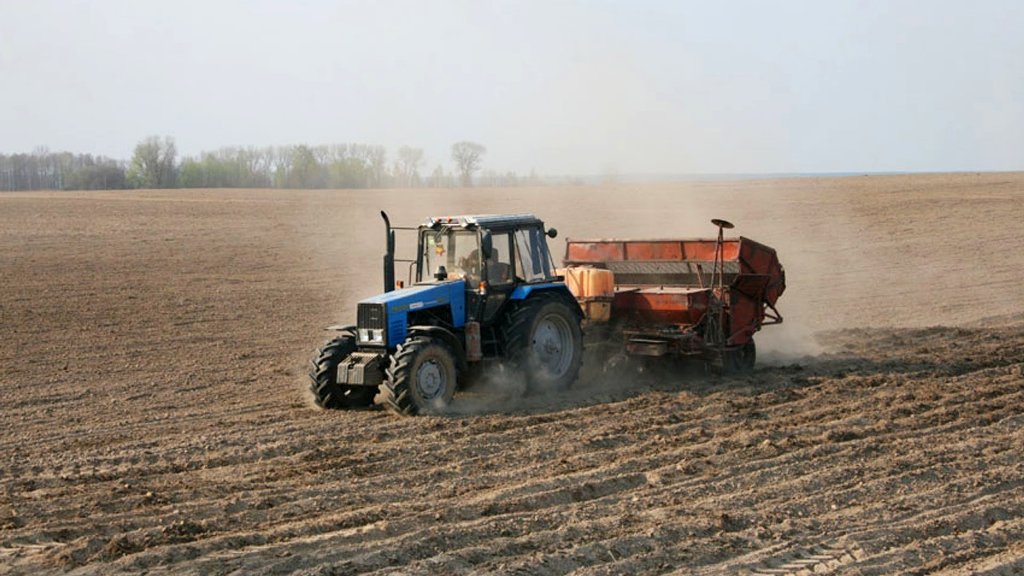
497,272
470,265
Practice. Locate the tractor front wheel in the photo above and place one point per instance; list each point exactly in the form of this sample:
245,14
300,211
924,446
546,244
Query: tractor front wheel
323,376
421,377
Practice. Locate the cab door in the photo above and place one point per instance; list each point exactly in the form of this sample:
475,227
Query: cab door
532,257
499,275
466,262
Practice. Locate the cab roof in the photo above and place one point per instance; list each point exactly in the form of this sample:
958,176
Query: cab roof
484,221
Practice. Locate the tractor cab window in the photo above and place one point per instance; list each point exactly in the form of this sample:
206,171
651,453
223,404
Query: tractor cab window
499,265
532,261
457,250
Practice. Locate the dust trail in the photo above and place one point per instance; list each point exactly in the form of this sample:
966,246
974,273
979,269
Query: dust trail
498,391
493,390
301,386
787,344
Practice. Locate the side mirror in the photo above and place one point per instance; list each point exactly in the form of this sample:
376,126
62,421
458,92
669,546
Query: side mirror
486,244
552,233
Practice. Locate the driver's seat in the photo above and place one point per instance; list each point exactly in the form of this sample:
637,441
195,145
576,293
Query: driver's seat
498,272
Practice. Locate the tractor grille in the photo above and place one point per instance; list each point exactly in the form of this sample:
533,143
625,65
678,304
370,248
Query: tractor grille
370,316
371,325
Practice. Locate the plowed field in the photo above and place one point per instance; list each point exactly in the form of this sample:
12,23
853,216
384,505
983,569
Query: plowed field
154,348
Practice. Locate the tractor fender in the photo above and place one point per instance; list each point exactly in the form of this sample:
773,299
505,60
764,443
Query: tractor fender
448,337
342,328
523,291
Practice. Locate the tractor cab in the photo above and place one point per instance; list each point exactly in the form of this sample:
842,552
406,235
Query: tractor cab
492,255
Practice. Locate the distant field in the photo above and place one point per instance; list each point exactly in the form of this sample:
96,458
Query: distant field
155,345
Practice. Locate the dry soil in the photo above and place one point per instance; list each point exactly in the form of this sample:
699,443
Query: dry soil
154,348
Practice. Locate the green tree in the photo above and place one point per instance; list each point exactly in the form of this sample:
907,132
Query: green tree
153,163
191,174
306,170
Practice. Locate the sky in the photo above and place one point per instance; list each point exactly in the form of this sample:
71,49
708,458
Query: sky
559,87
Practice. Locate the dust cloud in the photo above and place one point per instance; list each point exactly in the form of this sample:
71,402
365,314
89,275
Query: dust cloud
852,253
496,390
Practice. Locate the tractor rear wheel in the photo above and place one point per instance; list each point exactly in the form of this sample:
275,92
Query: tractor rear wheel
323,376
421,377
544,342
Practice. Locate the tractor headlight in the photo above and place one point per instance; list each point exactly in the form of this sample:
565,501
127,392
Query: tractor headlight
371,336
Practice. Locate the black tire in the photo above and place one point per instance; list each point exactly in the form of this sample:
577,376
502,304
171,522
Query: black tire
544,342
421,377
740,360
327,393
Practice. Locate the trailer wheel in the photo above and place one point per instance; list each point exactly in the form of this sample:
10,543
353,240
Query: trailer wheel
544,342
741,360
327,393
421,376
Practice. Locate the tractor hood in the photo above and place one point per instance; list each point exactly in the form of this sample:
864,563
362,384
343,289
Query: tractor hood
421,295
399,304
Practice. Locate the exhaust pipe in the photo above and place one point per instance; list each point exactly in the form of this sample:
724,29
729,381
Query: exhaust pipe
389,256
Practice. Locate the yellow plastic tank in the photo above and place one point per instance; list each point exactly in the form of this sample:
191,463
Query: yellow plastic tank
593,287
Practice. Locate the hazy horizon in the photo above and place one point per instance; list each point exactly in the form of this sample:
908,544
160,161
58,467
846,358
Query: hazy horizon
586,88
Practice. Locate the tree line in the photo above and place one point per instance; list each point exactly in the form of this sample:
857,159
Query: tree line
45,170
155,164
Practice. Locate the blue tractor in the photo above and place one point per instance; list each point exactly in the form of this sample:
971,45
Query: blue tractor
484,292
